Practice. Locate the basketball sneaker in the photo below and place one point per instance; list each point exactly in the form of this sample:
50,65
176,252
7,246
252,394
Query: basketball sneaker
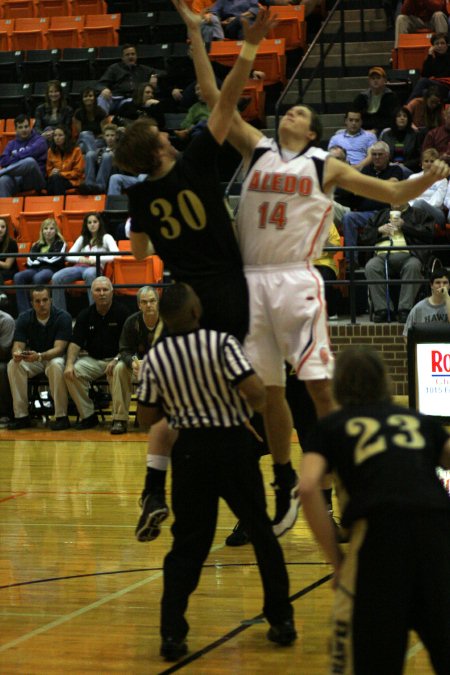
283,633
287,504
154,512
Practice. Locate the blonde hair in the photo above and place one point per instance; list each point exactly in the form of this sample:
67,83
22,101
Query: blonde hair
45,223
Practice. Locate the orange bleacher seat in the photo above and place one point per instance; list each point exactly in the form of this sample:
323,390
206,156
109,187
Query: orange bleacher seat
24,247
6,31
52,7
11,207
18,9
124,245
271,57
412,50
84,7
74,211
35,210
291,25
254,89
65,31
101,30
128,270
30,34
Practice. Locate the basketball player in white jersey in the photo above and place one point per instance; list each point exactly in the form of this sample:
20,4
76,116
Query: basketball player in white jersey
283,221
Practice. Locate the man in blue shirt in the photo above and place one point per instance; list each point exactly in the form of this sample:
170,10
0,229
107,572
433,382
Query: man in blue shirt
355,140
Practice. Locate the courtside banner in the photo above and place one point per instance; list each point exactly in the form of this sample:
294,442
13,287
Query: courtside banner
433,378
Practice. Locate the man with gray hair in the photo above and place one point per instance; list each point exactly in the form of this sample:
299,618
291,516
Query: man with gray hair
97,331
140,332
365,207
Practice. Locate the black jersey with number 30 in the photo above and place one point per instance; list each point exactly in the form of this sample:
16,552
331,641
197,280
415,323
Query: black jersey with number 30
385,457
185,216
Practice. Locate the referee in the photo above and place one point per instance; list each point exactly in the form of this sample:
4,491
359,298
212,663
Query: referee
203,383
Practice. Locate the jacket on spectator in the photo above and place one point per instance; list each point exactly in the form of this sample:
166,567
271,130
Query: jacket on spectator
43,118
47,260
122,79
136,339
405,150
70,165
35,146
383,116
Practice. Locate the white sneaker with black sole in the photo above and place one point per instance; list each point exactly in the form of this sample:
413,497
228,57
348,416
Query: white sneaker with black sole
154,512
287,501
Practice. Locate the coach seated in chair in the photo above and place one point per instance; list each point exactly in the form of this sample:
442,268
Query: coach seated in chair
140,332
97,331
403,226
41,336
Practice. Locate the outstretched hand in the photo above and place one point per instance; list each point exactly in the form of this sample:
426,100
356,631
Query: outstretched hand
190,18
440,169
263,23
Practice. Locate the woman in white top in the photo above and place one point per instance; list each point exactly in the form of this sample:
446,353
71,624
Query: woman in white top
93,239
434,198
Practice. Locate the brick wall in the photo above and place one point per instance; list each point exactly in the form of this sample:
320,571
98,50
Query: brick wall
387,338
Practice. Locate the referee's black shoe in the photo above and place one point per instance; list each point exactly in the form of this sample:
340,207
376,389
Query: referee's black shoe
154,512
172,649
283,633
287,504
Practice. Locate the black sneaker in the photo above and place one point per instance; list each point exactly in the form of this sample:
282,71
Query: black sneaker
20,423
60,424
154,512
283,633
172,650
287,504
87,423
238,537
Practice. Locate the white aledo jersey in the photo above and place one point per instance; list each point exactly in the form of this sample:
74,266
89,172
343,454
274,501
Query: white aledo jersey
284,216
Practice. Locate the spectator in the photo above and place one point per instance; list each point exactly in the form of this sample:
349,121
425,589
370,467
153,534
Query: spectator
120,182
140,331
355,141
93,239
377,103
54,112
40,340
120,80
412,227
87,121
65,163
197,113
416,14
99,164
41,268
97,331
436,67
403,142
23,160
434,308
432,200
8,266
223,19
6,339
327,267
439,138
379,168
143,104
427,111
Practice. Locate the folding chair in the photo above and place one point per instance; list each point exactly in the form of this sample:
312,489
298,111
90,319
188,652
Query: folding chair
291,25
101,30
18,9
412,50
65,31
270,58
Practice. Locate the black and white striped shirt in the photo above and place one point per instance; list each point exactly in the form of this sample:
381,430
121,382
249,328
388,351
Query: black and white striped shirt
193,377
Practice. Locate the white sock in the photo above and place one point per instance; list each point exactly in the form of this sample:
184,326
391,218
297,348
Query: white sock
159,462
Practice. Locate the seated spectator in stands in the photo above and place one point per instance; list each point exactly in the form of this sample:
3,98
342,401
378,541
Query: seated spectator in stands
354,222
328,269
120,80
41,268
434,308
23,160
432,200
403,142
99,164
416,14
93,239
97,331
54,112
427,111
439,138
8,266
414,226
40,340
223,19
197,113
436,67
7,326
65,163
377,103
140,331
87,121
343,199
120,182
143,104
355,140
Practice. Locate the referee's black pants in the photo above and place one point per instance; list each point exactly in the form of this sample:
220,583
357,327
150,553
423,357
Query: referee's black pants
208,464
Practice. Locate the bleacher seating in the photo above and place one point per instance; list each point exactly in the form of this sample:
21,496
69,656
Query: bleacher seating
35,210
291,25
271,57
412,50
74,211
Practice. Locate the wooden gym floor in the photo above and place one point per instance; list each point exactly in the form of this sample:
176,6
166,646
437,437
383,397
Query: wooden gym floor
78,593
